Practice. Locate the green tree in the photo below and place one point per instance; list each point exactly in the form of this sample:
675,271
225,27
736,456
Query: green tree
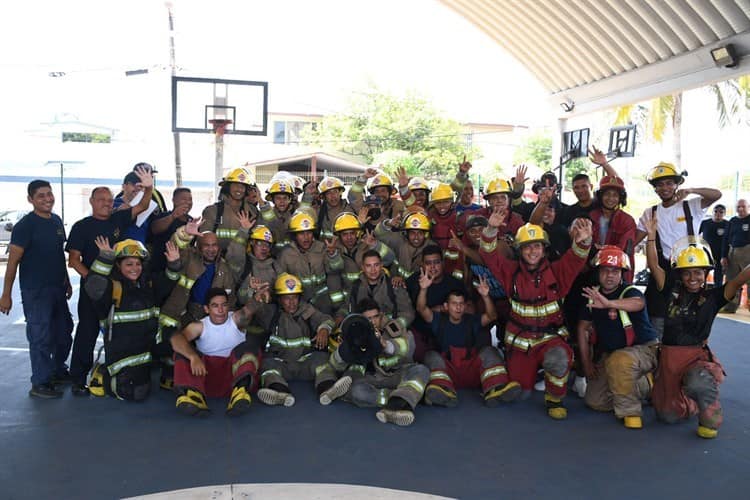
394,131
535,150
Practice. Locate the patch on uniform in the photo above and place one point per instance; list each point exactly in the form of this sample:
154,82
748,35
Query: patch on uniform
116,233
745,227
720,232
290,284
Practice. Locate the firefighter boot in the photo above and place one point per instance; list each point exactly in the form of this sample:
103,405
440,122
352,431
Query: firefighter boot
555,407
633,422
707,432
338,389
96,382
239,401
504,393
276,394
397,411
192,403
438,395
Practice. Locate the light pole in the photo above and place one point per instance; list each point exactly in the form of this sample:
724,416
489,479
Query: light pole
62,164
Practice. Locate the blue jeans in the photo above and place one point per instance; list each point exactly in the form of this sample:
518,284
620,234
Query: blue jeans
48,329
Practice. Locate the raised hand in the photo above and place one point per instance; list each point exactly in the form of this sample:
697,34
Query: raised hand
312,186
172,253
403,177
362,216
596,156
331,247
191,227
146,177
596,299
455,241
652,225
369,239
497,219
464,166
681,194
424,279
546,195
483,288
582,230
102,243
398,282
371,172
396,220
520,177
245,221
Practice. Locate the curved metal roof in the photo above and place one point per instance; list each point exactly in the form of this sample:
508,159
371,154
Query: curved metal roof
572,46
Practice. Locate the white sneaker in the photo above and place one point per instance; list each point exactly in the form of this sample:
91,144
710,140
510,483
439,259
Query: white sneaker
539,386
579,386
271,397
337,390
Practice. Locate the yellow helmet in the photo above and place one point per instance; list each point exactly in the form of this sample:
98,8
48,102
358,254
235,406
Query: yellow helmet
530,233
498,186
416,220
130,248
238,175
279,187
329,183
346,221
692,257
442,192
665,170
418,183
262,233
380,180
301,222
287,284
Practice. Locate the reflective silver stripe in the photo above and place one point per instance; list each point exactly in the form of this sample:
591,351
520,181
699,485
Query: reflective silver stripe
459,275
337,297
185,282
491,372
138,359
580,252
488,246
246,358
321,368
439,374
277,341
388,362
267,214
159,336
382,397
404,272
351,277
559,382
412,384
450,255
304,357
402,346
167,321
172,275
226,233
534,311
135,316
100,267
526,344
270,372
357,368
313,279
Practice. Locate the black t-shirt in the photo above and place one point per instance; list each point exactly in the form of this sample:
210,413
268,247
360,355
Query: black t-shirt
43,261
85,231
569,213
715,234
610,333
467,333
690,316
559,240
437,294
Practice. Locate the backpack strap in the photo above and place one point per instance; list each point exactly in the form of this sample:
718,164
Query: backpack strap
627,325
688,218
219,215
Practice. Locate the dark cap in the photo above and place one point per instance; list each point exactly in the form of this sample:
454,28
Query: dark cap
476,221
373,200
719,206
146,166
131,178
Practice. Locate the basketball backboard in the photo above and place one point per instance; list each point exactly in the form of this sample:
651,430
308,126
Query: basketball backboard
199,104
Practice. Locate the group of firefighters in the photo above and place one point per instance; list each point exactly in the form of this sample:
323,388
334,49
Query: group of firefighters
405,292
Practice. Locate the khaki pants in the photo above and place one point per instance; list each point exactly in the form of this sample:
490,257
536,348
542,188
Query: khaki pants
737,259
622,384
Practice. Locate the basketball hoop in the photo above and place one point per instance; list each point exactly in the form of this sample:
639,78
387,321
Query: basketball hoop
220,125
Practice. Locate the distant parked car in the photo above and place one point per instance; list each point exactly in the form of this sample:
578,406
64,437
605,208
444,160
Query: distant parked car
8,219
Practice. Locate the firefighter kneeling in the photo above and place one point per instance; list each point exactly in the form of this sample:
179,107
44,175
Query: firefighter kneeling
223,362
624,341
377,354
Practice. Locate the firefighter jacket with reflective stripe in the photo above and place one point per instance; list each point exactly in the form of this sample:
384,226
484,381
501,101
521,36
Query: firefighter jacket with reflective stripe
278,223
535,296
290,335
442,225
620,233
319,273
397,353
129,318
265,270
408,257
324,214
178,301
457,184
389,209
384,294
228,225
352,261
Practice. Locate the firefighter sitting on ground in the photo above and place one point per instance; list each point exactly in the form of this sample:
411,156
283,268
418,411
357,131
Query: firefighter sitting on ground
466,359
376,352
615,325
224,361
127,307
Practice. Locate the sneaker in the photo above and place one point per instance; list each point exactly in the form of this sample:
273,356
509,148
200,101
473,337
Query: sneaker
79,390
192,403
438,395
539,386
239,402
579,386
45,391
337,390
272,398
504,394
398,417
61,378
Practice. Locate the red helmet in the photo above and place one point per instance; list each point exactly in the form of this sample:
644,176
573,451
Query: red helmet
611,256
611,181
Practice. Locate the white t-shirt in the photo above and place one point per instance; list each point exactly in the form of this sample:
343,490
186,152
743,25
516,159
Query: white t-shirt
671,222
219,340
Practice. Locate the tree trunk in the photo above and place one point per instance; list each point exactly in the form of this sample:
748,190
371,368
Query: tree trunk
677,130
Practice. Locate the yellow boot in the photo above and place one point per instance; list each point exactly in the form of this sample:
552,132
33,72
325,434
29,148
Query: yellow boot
634,422
707,432
96,382
239,401
555,408
192,403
